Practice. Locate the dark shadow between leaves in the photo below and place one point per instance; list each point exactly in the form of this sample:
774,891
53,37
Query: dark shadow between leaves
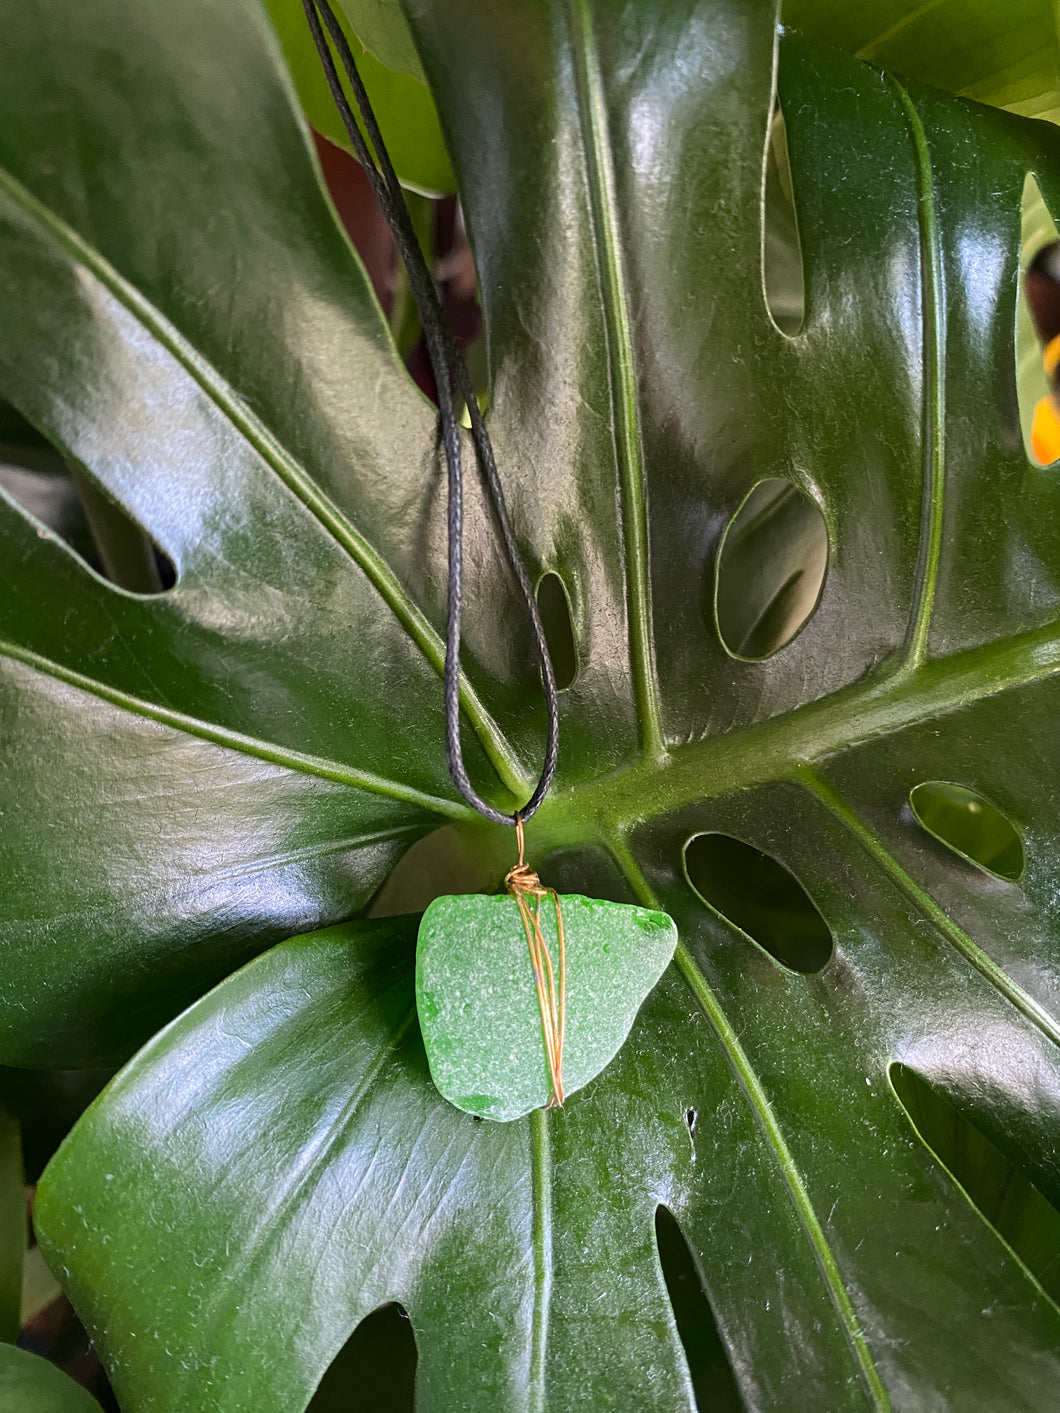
440,863
47,1104
711,1373
997,1186
970,825
99,532
554,607
760,896
375,1370
770,570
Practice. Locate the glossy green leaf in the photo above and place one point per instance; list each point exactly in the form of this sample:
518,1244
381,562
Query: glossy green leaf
1005,52
213,844
192,777
998,1185
478,1005
311,1056
29,1384
399,94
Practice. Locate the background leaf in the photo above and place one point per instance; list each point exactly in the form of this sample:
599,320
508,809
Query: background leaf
381,27
29,1384
392,77
250,752
1038,229
1007,55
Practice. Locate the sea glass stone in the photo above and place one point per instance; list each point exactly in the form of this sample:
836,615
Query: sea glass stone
478,1005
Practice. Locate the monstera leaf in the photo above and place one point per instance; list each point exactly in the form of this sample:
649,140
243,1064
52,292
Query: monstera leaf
191,778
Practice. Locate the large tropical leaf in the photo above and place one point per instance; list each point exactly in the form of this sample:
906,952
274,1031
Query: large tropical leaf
190,777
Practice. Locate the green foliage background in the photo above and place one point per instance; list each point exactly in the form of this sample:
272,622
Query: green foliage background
226,773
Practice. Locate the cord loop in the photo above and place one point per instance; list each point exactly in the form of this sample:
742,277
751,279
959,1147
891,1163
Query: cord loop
450,372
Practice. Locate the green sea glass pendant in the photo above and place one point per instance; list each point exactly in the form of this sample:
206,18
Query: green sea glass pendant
480,1009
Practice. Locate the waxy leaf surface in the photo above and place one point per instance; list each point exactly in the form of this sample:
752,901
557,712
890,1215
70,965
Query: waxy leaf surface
192,777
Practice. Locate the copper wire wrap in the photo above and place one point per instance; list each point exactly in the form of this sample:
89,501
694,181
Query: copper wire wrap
528,890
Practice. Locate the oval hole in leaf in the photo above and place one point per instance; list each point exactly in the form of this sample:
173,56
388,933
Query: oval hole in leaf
34,474
761,897
1037,323
554,607
713,1381
999,1188
99,532
782,271
375,1369
970,825
771,568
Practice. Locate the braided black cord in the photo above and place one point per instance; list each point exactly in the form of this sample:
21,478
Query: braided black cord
449,367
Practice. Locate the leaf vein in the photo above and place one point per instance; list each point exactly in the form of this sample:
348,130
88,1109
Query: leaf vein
934,334
280,461
926,904
767,1121
624,402
236,740
541,1186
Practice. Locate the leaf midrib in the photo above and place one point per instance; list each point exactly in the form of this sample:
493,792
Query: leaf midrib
604,225
934,412
276,456
541,1239
774,750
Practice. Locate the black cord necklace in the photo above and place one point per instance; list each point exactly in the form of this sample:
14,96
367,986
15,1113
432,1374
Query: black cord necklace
482,1027
450,373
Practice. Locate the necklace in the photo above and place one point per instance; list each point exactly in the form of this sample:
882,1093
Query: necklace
495,1030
